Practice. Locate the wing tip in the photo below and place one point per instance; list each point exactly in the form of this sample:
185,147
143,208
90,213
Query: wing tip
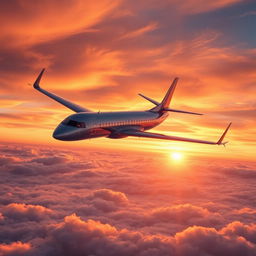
37,82
223,136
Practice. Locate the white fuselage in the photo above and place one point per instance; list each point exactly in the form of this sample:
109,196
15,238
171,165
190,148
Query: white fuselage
105,124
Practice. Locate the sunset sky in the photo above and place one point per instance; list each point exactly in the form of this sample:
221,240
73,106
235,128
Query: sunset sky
101,54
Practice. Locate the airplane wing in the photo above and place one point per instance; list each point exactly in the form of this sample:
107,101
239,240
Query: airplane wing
66,103
137,133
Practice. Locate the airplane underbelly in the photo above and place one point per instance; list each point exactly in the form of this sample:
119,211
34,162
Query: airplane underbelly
87,134
98,132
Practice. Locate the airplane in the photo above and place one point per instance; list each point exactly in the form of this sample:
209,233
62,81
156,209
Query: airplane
87,124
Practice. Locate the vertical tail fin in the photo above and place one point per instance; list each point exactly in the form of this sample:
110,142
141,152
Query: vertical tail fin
167,98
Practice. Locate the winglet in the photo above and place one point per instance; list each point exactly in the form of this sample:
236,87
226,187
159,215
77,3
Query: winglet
223,136
37,82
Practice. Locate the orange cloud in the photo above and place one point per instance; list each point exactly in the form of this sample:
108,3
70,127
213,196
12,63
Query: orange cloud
109,195
24,211
245,210
181,212
30,23
238,229
15,248
140,31
199,6
1,217
104,239
199,240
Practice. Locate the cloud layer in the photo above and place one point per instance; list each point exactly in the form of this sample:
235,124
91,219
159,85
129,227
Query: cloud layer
78,203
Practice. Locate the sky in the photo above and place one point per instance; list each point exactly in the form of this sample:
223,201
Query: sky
101,55
128,196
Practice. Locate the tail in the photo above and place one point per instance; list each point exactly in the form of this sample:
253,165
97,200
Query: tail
167,98
164,105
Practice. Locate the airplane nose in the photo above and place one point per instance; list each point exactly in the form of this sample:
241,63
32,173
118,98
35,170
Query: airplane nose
68,133
60,133
57,134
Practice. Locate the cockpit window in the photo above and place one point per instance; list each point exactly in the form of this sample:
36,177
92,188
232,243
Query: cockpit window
74,123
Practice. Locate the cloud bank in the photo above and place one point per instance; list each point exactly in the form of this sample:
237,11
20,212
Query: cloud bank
78,203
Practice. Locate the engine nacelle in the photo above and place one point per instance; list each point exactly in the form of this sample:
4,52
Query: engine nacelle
116,135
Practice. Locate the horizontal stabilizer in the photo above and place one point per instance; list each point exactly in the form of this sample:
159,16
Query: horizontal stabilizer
181,111
66,103
149,99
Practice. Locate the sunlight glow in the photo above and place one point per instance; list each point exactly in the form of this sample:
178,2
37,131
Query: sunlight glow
176,156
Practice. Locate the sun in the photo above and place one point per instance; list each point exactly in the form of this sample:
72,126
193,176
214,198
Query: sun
176,156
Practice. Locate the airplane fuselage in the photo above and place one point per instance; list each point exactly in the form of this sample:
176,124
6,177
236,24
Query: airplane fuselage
106,124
